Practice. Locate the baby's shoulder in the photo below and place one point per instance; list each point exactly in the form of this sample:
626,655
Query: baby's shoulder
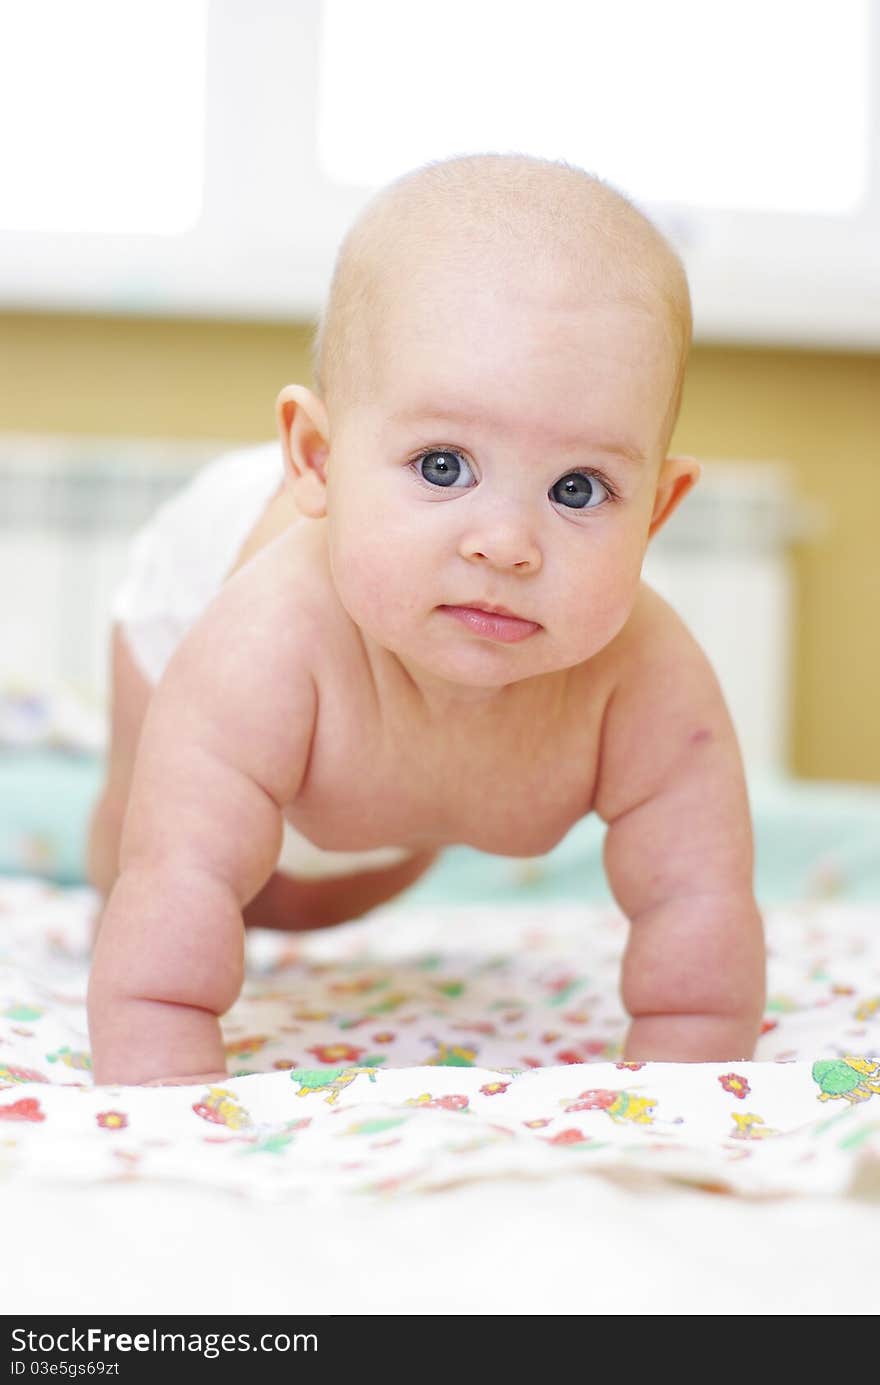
243,678
664,698
269,615
654,637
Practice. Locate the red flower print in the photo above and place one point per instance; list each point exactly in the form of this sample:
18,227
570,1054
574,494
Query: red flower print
336,1053
450,1103
537,1124
586,1049
455,1102
631,1067
594,1099
736,1085
245,1048
112,1120
568,1137
767,1025
494,1088
25,1110
568,1055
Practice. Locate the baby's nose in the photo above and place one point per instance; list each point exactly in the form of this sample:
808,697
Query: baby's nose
506,544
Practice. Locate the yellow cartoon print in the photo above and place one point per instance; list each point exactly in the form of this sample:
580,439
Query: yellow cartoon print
452,1056
621,1106
747,1126
223,1108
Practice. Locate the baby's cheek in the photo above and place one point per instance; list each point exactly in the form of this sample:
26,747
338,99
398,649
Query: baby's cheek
603,611
364,573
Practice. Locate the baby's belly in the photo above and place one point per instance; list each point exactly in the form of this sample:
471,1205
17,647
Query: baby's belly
386,780
519,820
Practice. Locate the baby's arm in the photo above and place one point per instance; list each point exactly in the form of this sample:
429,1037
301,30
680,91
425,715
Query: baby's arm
224,747
679,858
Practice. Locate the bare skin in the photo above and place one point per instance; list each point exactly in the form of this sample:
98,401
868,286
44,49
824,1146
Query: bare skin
284,902
327,684
288,903
455,804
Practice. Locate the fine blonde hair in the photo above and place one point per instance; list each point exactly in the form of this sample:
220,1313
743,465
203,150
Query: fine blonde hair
520,209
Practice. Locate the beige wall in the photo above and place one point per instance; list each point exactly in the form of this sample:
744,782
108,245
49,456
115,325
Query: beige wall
820,411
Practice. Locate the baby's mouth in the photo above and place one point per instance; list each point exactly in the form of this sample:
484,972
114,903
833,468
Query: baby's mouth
508,629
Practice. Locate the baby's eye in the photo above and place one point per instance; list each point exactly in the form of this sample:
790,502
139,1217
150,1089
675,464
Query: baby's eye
578,489
442,466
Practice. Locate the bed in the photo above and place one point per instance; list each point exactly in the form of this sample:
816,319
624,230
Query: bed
426,1110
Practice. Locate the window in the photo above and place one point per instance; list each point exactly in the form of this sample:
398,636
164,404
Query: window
205,157
752,106
102,106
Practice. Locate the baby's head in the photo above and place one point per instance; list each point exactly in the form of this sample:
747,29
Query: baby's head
499,370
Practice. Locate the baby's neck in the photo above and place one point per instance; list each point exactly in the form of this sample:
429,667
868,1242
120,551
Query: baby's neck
458,706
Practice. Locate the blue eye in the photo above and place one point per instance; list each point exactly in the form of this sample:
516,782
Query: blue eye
577,490
445,470
579,487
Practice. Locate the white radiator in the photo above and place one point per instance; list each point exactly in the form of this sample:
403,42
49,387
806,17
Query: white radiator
69,506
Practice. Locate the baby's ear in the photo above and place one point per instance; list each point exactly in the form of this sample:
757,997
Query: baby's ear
677,476
305,444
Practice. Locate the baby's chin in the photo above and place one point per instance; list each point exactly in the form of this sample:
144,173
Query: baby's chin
446,649
472,662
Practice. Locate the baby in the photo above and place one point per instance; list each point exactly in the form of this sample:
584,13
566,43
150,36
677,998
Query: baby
433,631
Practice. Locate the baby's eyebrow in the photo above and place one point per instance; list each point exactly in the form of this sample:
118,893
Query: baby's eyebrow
470,419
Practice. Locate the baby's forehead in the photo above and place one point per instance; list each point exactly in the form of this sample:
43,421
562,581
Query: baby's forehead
475,263
479,283
454,332
496,362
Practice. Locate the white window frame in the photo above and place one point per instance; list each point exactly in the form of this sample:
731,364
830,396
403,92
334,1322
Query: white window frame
272,221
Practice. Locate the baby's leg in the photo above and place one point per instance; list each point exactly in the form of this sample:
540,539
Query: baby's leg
288,902
284,901
130,697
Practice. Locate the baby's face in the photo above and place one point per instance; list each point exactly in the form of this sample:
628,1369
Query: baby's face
508,456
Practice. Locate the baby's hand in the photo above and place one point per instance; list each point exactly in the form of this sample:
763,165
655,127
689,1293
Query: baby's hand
168,962
693,980
679,859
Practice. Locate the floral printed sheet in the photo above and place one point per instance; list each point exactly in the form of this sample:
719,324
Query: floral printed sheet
420,1048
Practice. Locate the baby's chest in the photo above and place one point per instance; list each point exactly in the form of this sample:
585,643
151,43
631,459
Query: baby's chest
516,793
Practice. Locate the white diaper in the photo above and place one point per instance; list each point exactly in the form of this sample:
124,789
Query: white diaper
177,564
302,858
180,557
